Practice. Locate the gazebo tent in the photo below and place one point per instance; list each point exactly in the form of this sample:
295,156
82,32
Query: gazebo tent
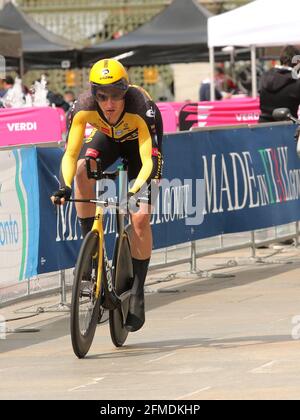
176,35
10,43
259,23
40,46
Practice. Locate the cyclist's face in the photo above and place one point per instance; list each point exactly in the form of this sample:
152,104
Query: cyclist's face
111,103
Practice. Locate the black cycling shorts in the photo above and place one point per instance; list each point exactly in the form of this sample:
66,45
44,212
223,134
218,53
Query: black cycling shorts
110,151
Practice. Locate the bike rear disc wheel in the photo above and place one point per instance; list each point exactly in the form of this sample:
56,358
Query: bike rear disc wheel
118,332
123,282
85,306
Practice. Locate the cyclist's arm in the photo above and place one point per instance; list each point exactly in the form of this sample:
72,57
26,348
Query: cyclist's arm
145,148
69,161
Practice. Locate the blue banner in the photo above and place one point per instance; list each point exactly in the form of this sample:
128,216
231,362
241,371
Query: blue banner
59,228
60,234
251,178
215,181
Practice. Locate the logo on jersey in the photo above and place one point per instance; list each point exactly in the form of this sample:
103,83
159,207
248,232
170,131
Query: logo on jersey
105,130
150,113
93,153
155,151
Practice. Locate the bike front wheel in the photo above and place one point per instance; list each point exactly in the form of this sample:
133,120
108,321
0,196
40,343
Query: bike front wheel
85,306
123,278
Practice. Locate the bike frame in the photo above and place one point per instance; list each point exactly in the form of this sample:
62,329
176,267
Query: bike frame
112,299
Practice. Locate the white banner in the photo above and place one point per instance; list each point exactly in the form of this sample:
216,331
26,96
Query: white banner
18,228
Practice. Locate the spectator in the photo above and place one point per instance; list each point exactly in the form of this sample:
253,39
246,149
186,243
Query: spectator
57,100
204,93
224,86
2,90
69,97
6,84
278,88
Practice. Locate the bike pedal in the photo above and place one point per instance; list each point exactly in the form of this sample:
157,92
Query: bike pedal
86,293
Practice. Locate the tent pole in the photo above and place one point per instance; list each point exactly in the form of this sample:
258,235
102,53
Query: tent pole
253,71
21,66
212,73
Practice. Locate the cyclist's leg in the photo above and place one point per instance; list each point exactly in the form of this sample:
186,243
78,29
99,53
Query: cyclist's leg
84,187
141,243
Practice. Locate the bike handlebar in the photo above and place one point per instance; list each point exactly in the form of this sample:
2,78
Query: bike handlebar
104,203
98,174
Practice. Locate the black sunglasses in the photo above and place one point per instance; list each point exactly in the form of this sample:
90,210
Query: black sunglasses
114,96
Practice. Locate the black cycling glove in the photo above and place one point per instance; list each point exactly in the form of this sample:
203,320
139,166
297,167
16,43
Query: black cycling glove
64,192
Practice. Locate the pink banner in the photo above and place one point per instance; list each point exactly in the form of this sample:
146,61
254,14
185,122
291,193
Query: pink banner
227,112
231,111
30,126
168,116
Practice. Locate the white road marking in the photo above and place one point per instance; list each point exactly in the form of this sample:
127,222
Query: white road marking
162,357
95,381
193,393
189,316
261,369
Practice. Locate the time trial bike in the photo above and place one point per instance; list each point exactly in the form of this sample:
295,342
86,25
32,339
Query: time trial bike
98,284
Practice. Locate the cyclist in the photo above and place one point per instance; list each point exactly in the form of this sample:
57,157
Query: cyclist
127,124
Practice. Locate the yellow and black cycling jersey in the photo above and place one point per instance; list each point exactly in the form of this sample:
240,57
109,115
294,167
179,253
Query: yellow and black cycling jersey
140,123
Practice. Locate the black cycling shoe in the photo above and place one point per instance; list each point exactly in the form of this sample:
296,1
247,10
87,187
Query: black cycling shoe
136,314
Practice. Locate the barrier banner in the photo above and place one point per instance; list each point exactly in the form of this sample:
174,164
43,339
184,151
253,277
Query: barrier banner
251,176
218,181
226,112
60,234
59,237
19,215
30,125
222,181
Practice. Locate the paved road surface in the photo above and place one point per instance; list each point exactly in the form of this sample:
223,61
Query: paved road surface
227,334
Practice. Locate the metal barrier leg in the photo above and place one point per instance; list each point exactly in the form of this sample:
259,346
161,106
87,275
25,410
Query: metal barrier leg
253,249
193,258
28,287
63,300
62,306
267,258
201,273
297,233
